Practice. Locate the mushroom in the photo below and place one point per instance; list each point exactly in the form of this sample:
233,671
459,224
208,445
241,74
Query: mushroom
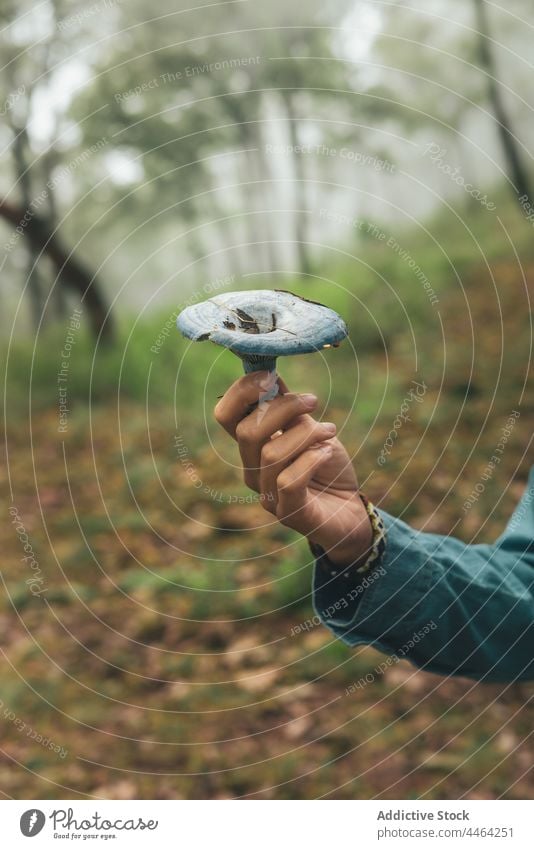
261,325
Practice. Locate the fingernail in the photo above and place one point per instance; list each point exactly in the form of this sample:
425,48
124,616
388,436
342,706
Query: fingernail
309,400
324,446
329,427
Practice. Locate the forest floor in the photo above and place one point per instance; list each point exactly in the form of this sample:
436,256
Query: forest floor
158,656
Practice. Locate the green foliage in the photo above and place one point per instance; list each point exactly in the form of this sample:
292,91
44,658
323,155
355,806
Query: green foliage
168,644
177,614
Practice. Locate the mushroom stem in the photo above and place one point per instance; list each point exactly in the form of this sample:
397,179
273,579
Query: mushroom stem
259,363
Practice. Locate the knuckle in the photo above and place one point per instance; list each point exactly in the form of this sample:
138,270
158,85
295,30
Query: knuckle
219,413
286,483
243,432
269,454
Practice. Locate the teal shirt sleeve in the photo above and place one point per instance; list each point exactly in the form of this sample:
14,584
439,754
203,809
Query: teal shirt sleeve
448,607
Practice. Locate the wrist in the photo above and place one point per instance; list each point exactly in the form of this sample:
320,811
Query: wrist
351,548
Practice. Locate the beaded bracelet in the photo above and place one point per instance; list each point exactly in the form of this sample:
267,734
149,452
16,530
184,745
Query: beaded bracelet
379,535
377,550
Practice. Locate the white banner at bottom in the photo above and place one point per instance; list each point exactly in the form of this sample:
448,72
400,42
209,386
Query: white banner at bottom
268,824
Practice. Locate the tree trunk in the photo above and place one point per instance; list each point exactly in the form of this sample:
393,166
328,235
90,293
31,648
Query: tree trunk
301,209
71,273
260,242
517,170
263,173
18,150
58,296
228,234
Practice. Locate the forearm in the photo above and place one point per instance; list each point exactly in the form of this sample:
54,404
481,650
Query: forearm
475,605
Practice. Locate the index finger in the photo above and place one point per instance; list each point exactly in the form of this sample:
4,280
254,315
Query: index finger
242,396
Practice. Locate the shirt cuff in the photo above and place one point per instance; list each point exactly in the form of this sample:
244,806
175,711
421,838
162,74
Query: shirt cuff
384,606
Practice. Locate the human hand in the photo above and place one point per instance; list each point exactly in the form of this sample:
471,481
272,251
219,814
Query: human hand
298,466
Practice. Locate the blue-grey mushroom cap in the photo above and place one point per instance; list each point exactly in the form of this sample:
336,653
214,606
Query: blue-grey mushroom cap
263,323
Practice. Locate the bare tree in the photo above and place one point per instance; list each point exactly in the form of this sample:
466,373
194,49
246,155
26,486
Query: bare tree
299,180
26,72
516,167
23,177
71,272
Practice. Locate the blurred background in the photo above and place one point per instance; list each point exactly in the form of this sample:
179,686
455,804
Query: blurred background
375,156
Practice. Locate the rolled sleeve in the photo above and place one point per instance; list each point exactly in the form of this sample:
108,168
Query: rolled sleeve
392,601
449,607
